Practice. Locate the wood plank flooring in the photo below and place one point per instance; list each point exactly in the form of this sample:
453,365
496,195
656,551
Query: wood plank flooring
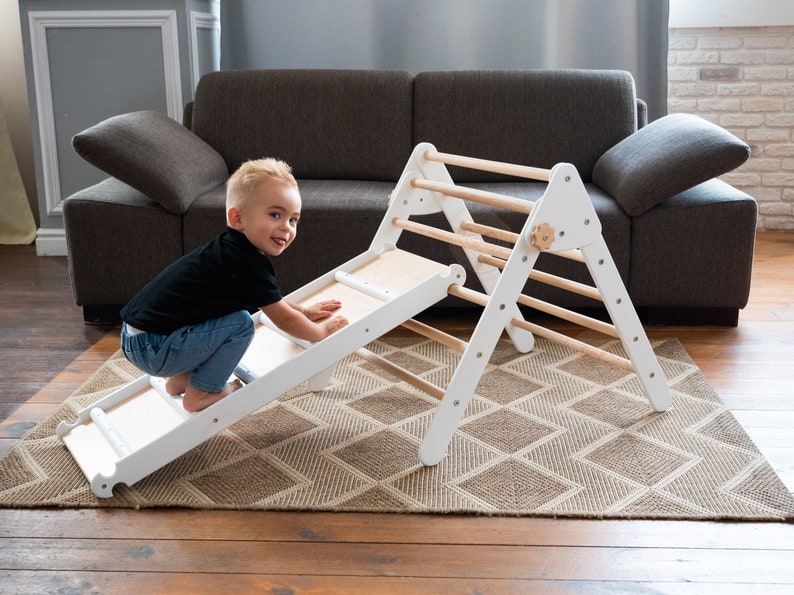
46,352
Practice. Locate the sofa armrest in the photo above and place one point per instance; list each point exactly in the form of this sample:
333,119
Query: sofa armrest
117,239
666,157
155,155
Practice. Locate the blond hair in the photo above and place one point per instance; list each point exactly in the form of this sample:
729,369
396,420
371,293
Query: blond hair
252,174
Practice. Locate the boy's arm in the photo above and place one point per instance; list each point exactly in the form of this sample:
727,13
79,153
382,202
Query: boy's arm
294,322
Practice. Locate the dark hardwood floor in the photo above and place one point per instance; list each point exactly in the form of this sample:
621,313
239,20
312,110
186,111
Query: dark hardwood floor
46,352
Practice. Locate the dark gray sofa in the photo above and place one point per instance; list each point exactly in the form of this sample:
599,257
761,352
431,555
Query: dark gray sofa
682,240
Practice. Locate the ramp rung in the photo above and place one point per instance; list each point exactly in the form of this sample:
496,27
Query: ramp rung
175,402
110,432
366,287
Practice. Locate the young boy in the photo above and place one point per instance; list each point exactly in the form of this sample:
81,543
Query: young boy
192,322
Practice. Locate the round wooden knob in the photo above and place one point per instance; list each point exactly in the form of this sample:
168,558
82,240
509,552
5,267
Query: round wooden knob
542,236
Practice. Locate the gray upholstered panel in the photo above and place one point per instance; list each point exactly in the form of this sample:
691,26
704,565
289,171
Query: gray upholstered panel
532,117
118,239
339,218
694,249
353,124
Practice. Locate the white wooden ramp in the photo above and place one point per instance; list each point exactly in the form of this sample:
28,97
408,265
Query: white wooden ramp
139,428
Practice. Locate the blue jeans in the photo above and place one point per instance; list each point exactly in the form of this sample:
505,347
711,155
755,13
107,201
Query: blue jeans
208,351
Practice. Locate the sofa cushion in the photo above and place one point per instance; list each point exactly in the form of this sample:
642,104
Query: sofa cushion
155,155
666,157
529,117
327,124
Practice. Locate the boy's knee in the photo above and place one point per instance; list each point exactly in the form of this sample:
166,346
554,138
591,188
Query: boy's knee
243,320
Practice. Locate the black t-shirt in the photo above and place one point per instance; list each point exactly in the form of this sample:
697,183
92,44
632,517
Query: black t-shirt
224,276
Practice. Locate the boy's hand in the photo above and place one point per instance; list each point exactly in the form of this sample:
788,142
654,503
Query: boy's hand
321,310
335,323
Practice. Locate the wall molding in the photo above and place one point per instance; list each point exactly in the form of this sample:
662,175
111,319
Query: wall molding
39,22
200,20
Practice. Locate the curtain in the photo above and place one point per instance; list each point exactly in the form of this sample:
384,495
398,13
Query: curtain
421,35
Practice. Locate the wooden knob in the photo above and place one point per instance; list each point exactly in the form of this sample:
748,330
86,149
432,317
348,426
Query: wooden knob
542,236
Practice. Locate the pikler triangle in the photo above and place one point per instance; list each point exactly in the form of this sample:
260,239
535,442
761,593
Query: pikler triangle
138,428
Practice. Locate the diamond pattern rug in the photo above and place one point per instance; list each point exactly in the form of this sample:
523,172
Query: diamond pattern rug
552,432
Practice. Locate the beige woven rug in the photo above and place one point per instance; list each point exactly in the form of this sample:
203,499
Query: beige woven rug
552,433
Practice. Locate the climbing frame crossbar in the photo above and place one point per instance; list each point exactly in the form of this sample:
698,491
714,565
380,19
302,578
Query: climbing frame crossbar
138,428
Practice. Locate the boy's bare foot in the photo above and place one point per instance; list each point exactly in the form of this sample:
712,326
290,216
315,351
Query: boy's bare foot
196,400
176,385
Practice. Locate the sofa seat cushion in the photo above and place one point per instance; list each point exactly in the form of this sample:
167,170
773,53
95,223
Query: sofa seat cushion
666,157
327,124
530,117
155,155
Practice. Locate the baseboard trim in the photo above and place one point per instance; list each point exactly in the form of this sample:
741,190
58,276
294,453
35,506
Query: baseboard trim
51,242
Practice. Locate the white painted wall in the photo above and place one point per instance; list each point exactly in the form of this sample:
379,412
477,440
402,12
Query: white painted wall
731,13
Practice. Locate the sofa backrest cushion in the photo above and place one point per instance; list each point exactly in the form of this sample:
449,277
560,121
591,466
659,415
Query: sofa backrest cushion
155,155
327,124
529,117
666,157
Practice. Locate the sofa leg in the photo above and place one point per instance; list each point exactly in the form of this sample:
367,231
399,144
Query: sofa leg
105,315
669,316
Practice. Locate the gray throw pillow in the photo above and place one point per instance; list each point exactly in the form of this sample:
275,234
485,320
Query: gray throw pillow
666,157
155,155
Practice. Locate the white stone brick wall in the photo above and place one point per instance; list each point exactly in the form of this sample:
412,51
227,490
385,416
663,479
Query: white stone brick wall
743,80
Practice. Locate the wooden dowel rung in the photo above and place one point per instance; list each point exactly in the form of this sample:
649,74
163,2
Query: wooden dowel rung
548,279
521,171
480,196
401,373
475,297
436,335
575,344
490,232
452,238
481,299
565,314
566,284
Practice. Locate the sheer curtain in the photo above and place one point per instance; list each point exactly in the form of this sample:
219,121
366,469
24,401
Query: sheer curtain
420,35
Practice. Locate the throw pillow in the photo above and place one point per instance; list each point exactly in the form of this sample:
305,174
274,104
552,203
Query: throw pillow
666,157
155,155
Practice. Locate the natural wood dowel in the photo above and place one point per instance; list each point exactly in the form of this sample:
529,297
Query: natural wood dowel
482,300
522,171
475,297
452,238
567,284
570,316
490,232
481,196
401,373
435,334
591,323
601,354
548,279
